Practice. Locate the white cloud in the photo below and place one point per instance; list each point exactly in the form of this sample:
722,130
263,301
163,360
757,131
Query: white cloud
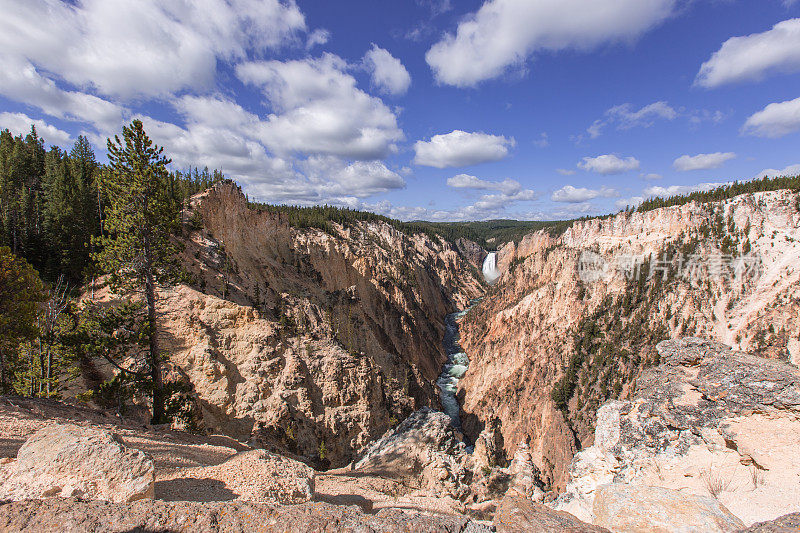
633,201
504,33
487,207
753,57
572,210
460,148
625,117
22,82
651,176
673,190
775,120
543,141
573,195
437,7
609,164
388,73
20,124
791,170
148,47
231,144
319,110
566,171
702,161
317,37
466,181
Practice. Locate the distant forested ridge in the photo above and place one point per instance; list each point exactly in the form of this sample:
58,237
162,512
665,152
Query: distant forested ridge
489,233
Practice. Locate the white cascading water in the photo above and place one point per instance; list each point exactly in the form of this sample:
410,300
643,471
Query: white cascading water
490,273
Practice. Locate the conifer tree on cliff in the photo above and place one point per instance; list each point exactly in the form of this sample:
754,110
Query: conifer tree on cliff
136,248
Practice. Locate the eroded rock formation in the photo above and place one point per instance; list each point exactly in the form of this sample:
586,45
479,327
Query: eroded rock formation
308,342
708,421
576,317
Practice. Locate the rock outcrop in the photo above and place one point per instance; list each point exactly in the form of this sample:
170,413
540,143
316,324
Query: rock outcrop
517,514
254,476
306,341
68,460
708,421
789,523
76,516
576,317
641,509
424,447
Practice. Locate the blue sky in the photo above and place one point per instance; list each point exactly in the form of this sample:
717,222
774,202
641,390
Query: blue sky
423,109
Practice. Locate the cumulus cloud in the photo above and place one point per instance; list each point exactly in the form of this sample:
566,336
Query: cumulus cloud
317,37
775,120
566,171
673,190
22,82
388,73
753,57
625,117
460,148
466,181
143,48
609,164
633,201
543,141
791,170
20,124
702,161
504,33
487,207
651,176
318,109
574,195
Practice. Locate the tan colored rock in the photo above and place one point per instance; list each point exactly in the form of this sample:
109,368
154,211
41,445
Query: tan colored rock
74,516
697,424
524,474
255,476
517,514
489,450
308,342
642,509
521,337
69,460
789,523
424,446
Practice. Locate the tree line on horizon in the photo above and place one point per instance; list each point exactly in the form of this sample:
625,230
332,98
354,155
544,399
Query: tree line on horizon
723,192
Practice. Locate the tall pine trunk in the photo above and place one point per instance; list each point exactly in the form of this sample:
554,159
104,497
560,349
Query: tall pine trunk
2,372
155,370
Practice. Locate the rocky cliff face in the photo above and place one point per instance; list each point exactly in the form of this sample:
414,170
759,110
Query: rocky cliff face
311,343
576,317
708,421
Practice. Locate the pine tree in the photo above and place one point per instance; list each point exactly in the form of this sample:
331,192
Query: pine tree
20,295
137,251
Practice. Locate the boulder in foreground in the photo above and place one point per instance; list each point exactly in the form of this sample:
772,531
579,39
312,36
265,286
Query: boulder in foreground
255,476
518,514
641,509
69,460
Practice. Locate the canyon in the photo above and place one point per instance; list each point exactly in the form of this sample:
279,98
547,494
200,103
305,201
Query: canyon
569,365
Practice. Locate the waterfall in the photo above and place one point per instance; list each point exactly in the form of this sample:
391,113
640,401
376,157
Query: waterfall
490,273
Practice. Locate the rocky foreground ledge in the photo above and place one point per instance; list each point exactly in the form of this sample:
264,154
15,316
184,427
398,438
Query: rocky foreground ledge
711,440
707,443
